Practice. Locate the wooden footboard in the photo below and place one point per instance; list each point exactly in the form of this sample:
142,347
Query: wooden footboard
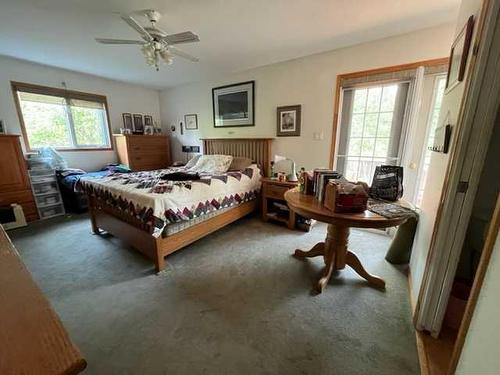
139,235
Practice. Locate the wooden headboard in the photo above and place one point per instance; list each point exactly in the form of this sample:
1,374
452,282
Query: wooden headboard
257,149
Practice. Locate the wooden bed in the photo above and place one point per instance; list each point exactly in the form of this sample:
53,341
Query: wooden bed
105,217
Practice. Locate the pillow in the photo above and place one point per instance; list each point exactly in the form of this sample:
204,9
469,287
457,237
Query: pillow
192,162
239,163
213,164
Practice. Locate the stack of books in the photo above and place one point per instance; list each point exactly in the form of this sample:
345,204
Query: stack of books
316,180
320,180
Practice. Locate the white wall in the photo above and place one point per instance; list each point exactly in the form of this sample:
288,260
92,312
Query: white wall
450,108
121,98
309,81
480,351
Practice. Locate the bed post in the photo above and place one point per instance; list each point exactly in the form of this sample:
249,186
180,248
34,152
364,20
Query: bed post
95,228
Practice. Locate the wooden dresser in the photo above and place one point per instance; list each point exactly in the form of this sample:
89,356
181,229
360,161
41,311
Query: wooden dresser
143,152
14,182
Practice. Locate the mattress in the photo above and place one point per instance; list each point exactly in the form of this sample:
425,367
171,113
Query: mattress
159,202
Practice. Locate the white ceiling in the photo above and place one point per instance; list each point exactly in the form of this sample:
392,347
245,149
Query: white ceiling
235,34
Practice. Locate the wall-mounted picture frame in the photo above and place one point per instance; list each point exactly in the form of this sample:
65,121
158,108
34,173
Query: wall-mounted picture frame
458,55
138,123
127,121
234,105
191,121
148,120
288,120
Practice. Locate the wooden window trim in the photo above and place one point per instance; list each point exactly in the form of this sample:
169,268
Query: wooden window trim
389,69
68,94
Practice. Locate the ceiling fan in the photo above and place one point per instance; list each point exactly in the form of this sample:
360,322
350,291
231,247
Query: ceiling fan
156,44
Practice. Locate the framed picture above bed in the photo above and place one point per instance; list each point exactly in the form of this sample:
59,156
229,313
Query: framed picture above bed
233,105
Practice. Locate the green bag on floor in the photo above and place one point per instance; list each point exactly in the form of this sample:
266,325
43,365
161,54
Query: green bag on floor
400,250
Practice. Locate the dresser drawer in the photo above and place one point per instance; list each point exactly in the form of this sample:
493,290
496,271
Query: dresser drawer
146,166
149,145
149,159
16,197
275,191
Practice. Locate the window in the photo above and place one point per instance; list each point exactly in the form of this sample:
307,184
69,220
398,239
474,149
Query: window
371,126
437,98
63,119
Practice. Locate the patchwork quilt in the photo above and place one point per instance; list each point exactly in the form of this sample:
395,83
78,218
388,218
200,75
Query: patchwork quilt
158,202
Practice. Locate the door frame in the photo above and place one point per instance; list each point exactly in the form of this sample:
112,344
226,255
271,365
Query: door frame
475,123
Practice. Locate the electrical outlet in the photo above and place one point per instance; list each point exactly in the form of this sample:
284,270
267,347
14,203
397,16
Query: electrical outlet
318,136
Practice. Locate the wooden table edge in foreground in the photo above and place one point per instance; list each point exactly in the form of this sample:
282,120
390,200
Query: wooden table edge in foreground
334,249
33,339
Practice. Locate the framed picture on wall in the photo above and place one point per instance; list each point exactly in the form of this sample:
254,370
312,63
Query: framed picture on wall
138,123
458,55
127,121
288,121
148,120
233,105
191,121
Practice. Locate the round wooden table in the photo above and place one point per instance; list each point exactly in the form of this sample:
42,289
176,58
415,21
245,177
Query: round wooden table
334,250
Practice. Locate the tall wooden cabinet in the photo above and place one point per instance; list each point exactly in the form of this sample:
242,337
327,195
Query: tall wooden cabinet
143,152
14,181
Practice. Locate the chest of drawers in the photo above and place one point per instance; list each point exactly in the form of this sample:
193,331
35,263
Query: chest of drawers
143,152
14,182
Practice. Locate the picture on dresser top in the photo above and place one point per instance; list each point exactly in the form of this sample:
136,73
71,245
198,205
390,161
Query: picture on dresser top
138,124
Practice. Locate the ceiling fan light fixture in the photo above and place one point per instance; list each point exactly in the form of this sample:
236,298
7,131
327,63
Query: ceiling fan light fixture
167,57
157,45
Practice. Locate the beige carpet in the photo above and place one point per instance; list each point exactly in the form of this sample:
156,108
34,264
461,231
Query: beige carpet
235,302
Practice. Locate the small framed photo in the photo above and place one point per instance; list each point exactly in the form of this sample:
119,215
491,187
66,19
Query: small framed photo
138,124
127,121
148,120
149,130
191,122
458,55
288,121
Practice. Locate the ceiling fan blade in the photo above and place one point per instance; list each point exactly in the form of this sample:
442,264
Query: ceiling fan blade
174,51
184,37
136,26
118,41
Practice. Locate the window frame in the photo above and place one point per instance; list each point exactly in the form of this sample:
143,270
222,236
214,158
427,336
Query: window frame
67,95
337,100
398,137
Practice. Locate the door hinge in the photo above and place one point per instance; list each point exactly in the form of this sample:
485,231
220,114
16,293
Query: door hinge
462,187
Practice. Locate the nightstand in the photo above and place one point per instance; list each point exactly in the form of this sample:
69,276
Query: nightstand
273,191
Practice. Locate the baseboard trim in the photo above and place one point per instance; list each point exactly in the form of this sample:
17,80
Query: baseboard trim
422,356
